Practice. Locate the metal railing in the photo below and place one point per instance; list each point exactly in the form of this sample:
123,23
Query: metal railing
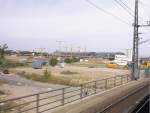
45,101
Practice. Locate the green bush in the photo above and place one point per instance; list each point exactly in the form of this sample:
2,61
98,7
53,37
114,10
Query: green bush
71,60
5,64
75,59
68,60
46,74
53,61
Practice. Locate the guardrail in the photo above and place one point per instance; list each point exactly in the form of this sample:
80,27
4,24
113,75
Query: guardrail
45,101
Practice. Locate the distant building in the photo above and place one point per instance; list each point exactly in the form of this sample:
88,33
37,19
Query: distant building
124,59
75,54
106,55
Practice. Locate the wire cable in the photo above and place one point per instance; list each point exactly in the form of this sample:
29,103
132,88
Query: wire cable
106,12
125,7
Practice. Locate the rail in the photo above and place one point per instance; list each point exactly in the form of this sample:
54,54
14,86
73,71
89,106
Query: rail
46,101
108,108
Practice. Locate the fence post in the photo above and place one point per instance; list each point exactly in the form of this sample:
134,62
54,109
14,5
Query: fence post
81,91
63,96
95,87
121,80
105,83
114,81
37,103
127,79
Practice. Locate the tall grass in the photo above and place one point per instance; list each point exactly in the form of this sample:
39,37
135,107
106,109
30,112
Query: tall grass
49,78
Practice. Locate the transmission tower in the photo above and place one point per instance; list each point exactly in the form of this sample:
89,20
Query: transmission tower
59,44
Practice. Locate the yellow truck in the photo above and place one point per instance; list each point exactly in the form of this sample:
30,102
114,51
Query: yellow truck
113,65
147,64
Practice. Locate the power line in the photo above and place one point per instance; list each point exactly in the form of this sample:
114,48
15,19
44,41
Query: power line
146,11
127,8
124,6
108,13
144,8
145,41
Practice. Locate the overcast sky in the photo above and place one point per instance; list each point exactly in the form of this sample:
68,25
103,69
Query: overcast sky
31,24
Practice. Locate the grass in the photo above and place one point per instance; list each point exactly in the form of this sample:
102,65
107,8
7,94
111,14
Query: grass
2,92
5,106
49,78
70,75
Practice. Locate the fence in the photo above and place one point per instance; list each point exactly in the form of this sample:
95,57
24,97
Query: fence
45,101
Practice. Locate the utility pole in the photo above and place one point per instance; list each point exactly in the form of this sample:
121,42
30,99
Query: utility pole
135,56
135,67
71,50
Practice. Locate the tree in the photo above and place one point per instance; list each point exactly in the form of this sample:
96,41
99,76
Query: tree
3,48
68,60
71,60
53,61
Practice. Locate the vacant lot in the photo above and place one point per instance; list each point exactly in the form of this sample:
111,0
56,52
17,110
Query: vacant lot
73,73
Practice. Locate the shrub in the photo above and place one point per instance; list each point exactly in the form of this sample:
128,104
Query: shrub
74,59
46,74
5,71
2,92
91,67
68,60
68,72
53,61
5,64
71,60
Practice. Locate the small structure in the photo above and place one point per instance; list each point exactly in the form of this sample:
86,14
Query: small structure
123,59
38,63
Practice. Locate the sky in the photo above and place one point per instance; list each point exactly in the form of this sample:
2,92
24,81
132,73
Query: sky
33,24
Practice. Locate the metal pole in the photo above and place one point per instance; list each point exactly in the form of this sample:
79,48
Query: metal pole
63,96
95,87
81,91
37,103
106,84
114,81
121,80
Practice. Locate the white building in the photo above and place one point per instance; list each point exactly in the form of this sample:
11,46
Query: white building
124,59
